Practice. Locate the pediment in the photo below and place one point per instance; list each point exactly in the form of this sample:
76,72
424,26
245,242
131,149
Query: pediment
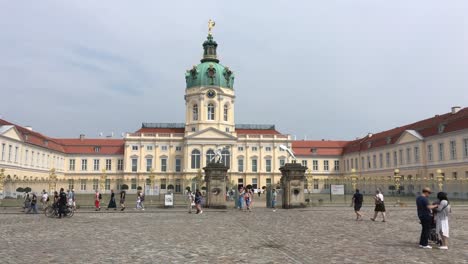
211,133
10,132
409,136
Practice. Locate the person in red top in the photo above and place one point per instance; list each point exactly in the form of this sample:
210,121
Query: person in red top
97,198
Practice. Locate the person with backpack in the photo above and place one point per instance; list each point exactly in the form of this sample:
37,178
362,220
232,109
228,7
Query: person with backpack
357,201
97,200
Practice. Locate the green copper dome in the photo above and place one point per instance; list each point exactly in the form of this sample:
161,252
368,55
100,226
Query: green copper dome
209,72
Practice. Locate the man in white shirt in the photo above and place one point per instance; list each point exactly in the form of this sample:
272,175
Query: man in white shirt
44,199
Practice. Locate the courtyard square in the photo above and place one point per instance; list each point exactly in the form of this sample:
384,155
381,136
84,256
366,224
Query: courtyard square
316,235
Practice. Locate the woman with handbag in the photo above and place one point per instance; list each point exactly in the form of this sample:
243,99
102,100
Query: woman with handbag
379,205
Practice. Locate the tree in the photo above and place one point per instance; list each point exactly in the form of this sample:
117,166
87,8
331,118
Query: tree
124,187
27,189
19,189
139,188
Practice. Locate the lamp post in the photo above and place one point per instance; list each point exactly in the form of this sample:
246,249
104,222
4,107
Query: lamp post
396,178
2,181
353,179
440,179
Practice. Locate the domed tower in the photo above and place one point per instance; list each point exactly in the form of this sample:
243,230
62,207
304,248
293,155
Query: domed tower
209,96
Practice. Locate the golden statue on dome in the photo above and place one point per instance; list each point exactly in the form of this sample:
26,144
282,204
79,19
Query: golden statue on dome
211,25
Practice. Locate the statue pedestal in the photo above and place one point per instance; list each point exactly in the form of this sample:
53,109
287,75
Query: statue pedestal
215,178
292,184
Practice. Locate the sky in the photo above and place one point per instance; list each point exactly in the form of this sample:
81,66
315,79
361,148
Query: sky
333,70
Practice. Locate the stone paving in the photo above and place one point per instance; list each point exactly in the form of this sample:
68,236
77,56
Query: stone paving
317,235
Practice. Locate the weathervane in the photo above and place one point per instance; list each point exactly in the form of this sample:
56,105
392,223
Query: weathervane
211,25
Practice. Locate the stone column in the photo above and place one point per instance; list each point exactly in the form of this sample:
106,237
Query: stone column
215,178
292,185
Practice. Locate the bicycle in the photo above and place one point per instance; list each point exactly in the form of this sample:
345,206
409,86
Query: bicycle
53,211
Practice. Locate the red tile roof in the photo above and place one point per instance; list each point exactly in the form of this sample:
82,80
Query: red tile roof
427,128
70,146
322,148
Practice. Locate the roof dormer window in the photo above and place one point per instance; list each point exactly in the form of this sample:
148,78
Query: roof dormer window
369,144
313,150
97,149
441,128
389,140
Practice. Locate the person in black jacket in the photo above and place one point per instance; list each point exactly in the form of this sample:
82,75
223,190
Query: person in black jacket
62,203
357,202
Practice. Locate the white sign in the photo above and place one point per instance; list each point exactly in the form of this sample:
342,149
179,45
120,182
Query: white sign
168,200
337,189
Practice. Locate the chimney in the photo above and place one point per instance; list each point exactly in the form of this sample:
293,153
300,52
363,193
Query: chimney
82,137
30,128
455,109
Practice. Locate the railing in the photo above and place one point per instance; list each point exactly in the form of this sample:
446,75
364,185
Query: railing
153,135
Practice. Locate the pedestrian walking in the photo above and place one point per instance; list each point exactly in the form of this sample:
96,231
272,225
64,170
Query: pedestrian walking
71,199
112,203
247,198
198,201
241,198
357,201
274,196
424,209
62,203
442,219
379,205
44,199
27,202
122,200
138,201
190,201
142,201
97,200
33,205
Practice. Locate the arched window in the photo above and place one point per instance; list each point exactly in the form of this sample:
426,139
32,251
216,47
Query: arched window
226,113
195,112
195,159
226,157
209,155
211,112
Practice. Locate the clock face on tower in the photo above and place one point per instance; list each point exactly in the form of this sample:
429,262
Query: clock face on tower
211,94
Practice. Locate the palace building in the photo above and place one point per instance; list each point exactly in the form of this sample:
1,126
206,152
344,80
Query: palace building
170,156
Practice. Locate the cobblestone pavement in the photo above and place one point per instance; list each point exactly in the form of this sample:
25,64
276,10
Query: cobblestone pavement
317,235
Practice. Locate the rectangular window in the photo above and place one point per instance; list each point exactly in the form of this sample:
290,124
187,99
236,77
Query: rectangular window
178,148
177,186
133,184
268,165
107,184
374,161
9,154
16,154
71,184
352,164
149,147
95,184
72,165
240,183
164,148
254,165
401,156
134,147
337,165
32,158
282,162
465,147
240,165
254,183
368,162
325,165
96,165
120,164
315,165
84,165
347,165
363,164
356,163
454,175
453,150
441,151
416,154
267,148
163,164
268,181
408,156
3,151
316,184
240,148
254,148
178,165
149,164
304,163
26,157
381,160
83,185
134,165
430,155
108,164
163,184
